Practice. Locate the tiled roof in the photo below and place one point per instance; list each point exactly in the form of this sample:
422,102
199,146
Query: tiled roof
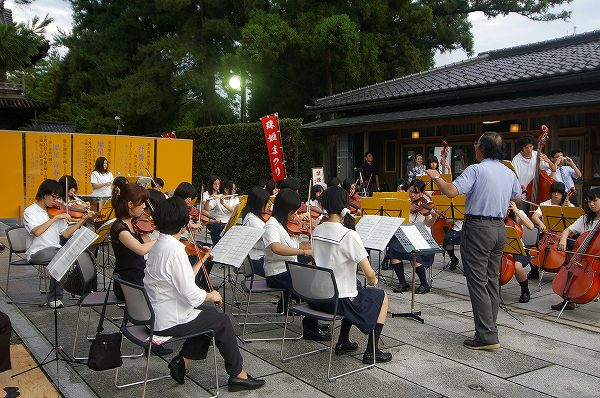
21,103
483,107
559,57
53,127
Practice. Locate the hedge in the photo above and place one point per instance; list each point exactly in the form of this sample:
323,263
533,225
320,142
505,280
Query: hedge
238,151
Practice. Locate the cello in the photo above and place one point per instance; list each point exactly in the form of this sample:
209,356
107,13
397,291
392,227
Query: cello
538,190
506,270
578,280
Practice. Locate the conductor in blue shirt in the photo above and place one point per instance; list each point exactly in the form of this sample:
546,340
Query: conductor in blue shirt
489,186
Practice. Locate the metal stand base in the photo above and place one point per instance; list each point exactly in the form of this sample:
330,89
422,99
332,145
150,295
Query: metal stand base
416,315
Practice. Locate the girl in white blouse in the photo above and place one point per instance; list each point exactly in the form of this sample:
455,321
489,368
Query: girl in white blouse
101,178
221,207
254,215
176,301
341,249
281,246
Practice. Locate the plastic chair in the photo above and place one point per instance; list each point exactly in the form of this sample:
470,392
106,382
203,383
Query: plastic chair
86,265
316,285
138,327
18,237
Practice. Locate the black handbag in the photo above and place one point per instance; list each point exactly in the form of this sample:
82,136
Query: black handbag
105,351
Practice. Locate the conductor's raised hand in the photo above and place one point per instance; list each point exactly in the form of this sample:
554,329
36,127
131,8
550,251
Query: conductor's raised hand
432,173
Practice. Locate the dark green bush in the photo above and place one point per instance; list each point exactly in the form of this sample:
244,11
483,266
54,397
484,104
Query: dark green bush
239,151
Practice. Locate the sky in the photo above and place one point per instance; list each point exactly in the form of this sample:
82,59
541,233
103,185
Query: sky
489,34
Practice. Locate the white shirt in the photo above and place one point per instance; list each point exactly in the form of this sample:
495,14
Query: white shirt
220,212
251,220
276,233
169,282
547,203
525,168
101,178
579,226
35,216
340,249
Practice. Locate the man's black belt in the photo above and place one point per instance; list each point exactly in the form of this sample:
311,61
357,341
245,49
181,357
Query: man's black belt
486,218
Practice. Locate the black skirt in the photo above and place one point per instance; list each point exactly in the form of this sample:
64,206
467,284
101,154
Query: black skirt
362,311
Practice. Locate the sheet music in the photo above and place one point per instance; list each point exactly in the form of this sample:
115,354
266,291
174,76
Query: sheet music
414,235
376,231
235,245
66,256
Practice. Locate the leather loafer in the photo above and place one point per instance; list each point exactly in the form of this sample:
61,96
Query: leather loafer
160,350
380,356
422,289
342,348
317,335
480,345
177,368
558,307
238,384
402,288
524,297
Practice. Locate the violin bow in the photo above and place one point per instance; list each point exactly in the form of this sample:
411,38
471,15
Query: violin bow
204,272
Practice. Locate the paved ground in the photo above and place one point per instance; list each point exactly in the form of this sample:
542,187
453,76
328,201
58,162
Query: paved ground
539,358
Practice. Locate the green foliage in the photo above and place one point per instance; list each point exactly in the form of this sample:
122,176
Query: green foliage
238,151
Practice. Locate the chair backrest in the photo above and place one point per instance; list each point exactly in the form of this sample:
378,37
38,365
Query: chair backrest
138,309
312,284
531,237
87,266
18,239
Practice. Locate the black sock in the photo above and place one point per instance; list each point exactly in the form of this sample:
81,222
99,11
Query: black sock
451,252
345,331
524,286
399,270
420,271
378,329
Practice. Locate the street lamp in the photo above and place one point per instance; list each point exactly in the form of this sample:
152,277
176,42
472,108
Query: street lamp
239,84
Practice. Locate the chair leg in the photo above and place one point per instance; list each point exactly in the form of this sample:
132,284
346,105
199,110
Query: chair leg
145,381
216,369
76,333
369,366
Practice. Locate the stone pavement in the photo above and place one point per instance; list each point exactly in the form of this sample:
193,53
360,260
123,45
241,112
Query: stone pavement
539,358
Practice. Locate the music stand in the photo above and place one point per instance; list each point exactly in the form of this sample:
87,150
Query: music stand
385,207
514,245
429,185
232,249
58,268
558,218
102,242
415,239
453,209
376,232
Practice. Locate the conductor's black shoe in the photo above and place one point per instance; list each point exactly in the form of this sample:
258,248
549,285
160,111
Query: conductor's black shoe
380,356
533,274
479,345
524,297
558,307
317,335
160,350
402,287
342,348
177,368
238,384
422,289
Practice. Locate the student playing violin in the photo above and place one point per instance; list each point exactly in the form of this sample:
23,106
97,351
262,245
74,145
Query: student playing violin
221,207
585,223
255,215
519,216
416,190
69,184
340,249
189,193
282,246
47,232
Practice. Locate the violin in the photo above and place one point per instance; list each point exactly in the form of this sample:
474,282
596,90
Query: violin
299,227
191,249
316,212
354,204
265,215
423,207
200,252
538,190
578,280
75,210
199,215
143,224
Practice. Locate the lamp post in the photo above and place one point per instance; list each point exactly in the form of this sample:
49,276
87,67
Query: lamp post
239,84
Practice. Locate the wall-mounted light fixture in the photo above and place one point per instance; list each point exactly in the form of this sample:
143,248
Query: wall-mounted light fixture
415,135
515,127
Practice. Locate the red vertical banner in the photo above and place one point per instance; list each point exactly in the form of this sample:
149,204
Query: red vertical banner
270,125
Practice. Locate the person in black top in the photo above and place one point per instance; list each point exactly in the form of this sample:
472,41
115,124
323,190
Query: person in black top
370,174
129,245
